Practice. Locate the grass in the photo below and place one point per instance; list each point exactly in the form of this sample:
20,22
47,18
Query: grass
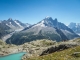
59,55
43,43
47,42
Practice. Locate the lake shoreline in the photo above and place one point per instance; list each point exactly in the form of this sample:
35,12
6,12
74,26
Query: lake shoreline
11,54
14,56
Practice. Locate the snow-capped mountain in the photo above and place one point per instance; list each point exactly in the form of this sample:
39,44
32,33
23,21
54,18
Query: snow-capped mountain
27,24
47,28
75,27
48,22
3,29
14,24
10,25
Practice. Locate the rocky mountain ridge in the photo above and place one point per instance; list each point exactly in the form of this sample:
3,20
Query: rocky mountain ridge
47,28
75,27
7,27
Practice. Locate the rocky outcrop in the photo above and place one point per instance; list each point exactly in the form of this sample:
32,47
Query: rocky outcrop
57,48
31,48
76,54
35,48
44,50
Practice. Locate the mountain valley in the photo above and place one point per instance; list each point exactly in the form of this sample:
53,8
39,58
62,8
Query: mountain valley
40,41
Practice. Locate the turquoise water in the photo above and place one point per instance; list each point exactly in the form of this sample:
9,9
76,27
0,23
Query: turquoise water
16,56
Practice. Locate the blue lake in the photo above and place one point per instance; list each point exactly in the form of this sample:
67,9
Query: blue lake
16,56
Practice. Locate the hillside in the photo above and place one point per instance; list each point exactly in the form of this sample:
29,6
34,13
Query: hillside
68,50
60,55
44,49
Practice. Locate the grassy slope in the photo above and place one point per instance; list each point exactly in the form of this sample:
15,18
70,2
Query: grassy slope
60,55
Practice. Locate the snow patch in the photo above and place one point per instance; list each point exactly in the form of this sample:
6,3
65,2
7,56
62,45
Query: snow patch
10,25
27,24
18,24
18,30
78,34
40,24
47,17
7,24
68,31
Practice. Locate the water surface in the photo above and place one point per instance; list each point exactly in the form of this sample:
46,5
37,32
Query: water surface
16,56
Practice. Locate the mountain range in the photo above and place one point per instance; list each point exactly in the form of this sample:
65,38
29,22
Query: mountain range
10,25
47,28
75,27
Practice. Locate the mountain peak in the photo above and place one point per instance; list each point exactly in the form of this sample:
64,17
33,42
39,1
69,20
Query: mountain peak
55,19
10,19
48,17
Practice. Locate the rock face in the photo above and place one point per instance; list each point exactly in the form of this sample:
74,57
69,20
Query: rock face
76,54
52,25
57,48
14,24
9,26
48,28
3,29
75,27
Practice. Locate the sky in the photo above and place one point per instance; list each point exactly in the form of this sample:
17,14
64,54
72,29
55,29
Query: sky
33,11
